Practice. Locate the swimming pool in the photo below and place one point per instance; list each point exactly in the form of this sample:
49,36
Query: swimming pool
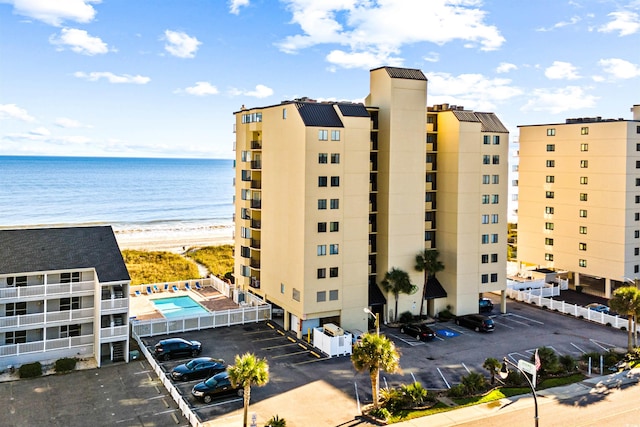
182,306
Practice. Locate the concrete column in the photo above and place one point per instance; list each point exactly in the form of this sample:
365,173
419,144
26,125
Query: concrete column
503,301
576,279
607,287
287,321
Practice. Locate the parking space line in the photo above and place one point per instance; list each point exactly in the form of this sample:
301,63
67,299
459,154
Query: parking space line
443,378
526,318
598,344
465,367
579,349
313,360
277,346
267,339
504,325
212,405
515,321
289,354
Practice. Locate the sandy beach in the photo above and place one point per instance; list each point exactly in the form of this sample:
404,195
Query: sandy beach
174,240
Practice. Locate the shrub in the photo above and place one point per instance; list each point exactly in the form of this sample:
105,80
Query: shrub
594,355
218,259
65,364
158,266
381,413
392,399
276,421
30,370
515,379
567,362
457,390
549,363
414,393
406,317
474,383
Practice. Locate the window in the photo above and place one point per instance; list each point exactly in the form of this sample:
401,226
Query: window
584,131
335,135
485,199
548,226
484,278
496,159
485,179
322,181
582,229
323,135
548,257
485,239
322,227
334,226
245,271
637,129
549,194
244,213
246,175
636,268
548,241
583,213
70,277
486,159
494,238
584,147
322,250
638,146
494,218
582,262
550,179
494,277
486,140
321,296
245,194
284,114
582,246
67,331
495,199
67,304
585,180
496,139
16,309
333,295
245,251
636,251
636,216
295,294
322,158
584,163
335,203
335,158
485,258
17,337
551,132
322,203
485,219
245,232
333,272
637,164
551,163
583,197
251,117
637,199
549,210
494,257
282,288
334,249
636,234
551,147
495,179
322,273
335,181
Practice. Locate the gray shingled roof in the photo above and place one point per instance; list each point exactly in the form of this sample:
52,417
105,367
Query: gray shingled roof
489,122
353,110
65,248
319,114
405,73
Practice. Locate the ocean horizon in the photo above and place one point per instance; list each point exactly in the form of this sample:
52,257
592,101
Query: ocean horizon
130,194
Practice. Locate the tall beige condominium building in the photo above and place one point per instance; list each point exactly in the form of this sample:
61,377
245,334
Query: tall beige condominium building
331,195
579,200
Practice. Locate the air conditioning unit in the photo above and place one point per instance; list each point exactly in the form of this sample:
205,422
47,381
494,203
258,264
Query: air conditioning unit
333,330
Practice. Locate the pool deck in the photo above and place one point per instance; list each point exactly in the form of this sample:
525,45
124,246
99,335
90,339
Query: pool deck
142,308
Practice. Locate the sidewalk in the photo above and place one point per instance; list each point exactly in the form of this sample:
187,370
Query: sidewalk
572,391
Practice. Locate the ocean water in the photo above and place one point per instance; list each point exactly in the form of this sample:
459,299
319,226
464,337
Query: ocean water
131,194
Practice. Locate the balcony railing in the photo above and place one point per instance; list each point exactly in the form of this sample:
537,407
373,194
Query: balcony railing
40,291
255,263
256,164
115,331
255,243
257,185
255,223
256,145
114,304
42,346
46,318
256,204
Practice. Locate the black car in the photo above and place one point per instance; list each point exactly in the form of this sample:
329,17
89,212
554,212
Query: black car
477,322
217,385
174,347
201,367
485,305
419,331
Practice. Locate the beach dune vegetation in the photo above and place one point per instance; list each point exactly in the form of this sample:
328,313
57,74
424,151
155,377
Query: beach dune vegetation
217,259
155,267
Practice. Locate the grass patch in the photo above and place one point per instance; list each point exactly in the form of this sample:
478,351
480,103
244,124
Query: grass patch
155,267
560,381
217,259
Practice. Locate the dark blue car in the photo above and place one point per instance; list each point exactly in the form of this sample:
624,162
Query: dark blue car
217,385
201,367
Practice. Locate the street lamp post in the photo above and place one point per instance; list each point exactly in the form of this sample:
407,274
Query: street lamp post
375,316
504,372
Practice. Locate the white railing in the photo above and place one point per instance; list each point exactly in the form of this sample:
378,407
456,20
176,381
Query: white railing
114,331
42,290
48,317
114,304
43,346
219,285
566,308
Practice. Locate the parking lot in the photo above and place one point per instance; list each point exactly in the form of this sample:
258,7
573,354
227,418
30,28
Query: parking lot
301,376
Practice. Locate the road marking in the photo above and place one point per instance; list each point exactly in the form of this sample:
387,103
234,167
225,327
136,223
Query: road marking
224,402
600,342
526,318
277,346
313,360
290,354
267,339
465,367
504,325
443,378
579,349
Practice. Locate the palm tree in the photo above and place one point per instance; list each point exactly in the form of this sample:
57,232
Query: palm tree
248,370
397,281
493,366
627,300
376,352
427,261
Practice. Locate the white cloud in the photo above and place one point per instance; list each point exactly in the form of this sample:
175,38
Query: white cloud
473,91
200,89
377,30
505,67
560,70
112,78
362,59
261,91
619,68
432,57
40,131
574,20
181,44
559,100
55,12
79,41
12,111
235,5
67,123
626,22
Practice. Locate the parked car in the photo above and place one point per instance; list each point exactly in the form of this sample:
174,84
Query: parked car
477,322
419,331
600,308
201,367
485,305
174,347
217,385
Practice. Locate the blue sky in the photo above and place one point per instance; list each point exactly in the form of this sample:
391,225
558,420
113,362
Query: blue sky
162,78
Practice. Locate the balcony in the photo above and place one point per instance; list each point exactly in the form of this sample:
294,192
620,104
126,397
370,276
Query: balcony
31,293
256,204
46,319
255,244
256,164
116,305
114,333
255,263
256,224
256,145
42,346
255,283
256,184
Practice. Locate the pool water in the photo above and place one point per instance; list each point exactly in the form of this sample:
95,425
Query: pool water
179,307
